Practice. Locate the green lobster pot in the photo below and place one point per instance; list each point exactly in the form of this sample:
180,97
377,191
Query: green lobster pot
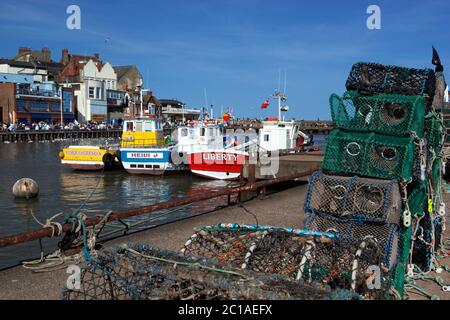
389,114
371,78
436,131
416,202
369,154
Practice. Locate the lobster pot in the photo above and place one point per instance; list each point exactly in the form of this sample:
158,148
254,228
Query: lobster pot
382,113
369,154
320,258
398,281
423,244
257,248
417,200
436,131
371,78
354,198
417,163
386,235
145,273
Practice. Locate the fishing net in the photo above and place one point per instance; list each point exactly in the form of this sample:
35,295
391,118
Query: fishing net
369,154
371,78
354,198
382,113
314,257
138,272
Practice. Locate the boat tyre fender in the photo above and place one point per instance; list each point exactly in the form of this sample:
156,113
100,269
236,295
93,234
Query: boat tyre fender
108,160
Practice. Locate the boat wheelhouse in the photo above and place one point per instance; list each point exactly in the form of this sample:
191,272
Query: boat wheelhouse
209,152
279,135
144,149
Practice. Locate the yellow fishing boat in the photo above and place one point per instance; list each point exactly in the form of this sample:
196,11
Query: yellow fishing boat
89,157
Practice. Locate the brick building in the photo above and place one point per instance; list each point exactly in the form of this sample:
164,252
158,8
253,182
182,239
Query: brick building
22,103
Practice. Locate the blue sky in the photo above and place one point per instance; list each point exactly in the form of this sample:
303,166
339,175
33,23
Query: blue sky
235,48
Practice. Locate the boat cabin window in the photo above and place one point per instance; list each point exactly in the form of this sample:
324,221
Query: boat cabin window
138,127
129,126
266,137
202,132
210,132
148,126
184,132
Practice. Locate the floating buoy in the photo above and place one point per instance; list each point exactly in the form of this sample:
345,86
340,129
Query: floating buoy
25,188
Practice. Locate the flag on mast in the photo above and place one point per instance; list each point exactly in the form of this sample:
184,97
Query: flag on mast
265,104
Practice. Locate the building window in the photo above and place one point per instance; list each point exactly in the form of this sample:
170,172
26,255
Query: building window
99,93
91,93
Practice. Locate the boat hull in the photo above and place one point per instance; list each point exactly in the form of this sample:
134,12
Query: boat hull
152,161
88,158
85,166
219,165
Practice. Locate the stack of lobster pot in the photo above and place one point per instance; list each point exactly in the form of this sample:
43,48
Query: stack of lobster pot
380,175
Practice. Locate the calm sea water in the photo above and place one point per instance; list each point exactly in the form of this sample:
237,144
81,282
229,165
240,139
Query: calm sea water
63,190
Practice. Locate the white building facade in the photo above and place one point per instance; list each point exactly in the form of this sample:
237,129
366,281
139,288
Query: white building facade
91,92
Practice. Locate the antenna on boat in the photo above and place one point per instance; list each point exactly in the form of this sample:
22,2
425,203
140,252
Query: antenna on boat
206,100
279,80
284,91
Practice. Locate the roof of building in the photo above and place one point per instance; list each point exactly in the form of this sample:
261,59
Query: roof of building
122,70
171,101
71,71
22,64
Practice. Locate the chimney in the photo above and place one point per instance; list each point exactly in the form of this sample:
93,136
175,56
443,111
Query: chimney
97,56
46,54
65,56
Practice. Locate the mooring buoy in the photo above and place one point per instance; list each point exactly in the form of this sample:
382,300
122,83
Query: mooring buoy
25,188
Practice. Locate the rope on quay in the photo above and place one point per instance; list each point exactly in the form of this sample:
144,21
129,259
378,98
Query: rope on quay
77,235
419,275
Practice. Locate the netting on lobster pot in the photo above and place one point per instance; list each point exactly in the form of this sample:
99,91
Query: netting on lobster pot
354,198
369,154
423,245
416,202
386,235
370,78
142,272
436,131
382,113
325,259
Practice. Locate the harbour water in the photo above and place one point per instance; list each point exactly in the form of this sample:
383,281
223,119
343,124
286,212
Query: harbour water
63,190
